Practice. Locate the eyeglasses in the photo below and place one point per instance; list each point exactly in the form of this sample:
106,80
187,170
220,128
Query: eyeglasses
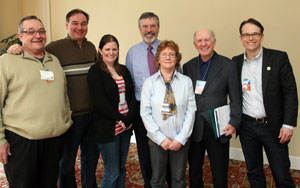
33,32
253,35
170,55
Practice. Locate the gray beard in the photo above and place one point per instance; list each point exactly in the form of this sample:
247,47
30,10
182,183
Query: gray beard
150,41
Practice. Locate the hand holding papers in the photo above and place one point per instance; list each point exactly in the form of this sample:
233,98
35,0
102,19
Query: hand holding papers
219,119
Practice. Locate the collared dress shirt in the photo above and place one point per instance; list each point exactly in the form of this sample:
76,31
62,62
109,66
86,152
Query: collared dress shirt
253,104
178,126
137,64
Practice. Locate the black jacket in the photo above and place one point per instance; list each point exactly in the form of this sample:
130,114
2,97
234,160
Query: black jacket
105,98
279,89
222,82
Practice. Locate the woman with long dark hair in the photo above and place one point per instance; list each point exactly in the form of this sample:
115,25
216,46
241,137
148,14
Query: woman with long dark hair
112,94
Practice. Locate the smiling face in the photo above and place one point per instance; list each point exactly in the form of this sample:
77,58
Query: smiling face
109,53
77,27
167,59
32,40
251,38
204,42
149,29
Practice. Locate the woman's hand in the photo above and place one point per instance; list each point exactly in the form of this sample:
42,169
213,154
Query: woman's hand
122,124
175,145
166,144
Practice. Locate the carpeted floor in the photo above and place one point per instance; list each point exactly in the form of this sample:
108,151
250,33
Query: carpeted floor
237,177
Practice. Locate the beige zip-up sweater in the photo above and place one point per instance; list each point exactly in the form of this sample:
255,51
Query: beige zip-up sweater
29,106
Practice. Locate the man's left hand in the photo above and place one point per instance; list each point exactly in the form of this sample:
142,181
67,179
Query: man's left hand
285,134
230,130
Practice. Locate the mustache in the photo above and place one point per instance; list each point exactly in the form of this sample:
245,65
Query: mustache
150,33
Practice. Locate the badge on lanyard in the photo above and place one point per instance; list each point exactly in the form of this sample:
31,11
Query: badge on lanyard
199,86
165,108
122,98
47,75
246,85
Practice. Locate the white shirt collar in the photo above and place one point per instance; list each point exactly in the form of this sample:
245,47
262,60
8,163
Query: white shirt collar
259,55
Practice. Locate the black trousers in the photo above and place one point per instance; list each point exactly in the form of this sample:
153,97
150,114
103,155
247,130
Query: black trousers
256,136
33,163
143,149
218,154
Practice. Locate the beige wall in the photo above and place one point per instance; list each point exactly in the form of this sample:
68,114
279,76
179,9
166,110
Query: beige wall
10,14
33,7
179,20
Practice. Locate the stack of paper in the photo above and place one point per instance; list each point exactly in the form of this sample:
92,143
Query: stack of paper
219,119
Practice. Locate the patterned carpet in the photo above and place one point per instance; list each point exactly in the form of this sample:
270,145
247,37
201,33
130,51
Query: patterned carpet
237,173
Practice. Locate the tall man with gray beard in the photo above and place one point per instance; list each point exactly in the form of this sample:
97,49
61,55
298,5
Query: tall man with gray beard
140,63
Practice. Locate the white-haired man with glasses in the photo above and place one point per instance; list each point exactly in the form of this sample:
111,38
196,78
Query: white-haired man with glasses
34,110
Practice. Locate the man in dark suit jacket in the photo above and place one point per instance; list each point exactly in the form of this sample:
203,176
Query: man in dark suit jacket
214,78
270,106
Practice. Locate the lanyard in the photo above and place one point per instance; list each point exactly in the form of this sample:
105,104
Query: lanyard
208,64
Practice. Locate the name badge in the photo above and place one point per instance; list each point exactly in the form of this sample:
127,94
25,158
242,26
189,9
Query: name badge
47,75
122,98
246,85
199,86
165,108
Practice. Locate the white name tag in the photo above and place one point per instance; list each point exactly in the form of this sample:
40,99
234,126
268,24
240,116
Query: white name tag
199,86
165,108
122,98
47,75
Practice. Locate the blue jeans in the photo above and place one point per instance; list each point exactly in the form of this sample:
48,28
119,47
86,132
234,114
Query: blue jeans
76,136
114,155
254,137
